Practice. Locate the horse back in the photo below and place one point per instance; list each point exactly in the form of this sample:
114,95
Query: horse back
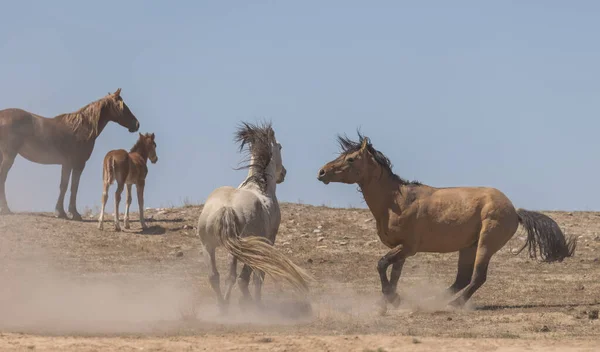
16,122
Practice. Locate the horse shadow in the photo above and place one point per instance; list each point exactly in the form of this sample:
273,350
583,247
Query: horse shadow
496,307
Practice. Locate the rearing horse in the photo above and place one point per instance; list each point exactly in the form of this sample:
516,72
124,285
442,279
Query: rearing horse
67,140
412,217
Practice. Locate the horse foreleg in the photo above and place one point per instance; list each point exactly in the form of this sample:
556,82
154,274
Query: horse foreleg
127,205
75,177
104,199
395,257
393,297
59,210
117,201
6,162
140,195
232,276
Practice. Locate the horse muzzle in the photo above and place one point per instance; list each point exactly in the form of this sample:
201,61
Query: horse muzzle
323,176
135,127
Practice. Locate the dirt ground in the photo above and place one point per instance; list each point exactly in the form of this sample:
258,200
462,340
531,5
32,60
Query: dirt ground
68,286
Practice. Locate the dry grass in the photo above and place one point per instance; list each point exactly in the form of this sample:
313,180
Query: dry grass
69,279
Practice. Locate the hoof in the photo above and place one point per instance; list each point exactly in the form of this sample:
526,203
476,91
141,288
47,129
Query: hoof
100,227
394,300
457,303
127,227
245,303
117,228
5,211
60,214
223,309
382,306
75,216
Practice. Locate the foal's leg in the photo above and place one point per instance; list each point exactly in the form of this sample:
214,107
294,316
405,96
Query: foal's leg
75,177
466,263
6,162
104,199
118,192
59,209
140,195
213,278
232,276
127,205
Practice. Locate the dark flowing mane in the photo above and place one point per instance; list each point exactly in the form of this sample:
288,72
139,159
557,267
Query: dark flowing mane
258,140
85,121
349,146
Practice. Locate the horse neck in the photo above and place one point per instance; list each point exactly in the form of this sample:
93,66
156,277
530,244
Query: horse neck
102,122
380,192
271,186
141,151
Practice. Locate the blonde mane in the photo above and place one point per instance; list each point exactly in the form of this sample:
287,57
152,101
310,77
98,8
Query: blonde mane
85,121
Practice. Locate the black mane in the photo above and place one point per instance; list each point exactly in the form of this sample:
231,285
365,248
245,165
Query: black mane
258,140
349,146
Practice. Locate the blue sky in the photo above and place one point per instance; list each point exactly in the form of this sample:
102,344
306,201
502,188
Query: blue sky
462,93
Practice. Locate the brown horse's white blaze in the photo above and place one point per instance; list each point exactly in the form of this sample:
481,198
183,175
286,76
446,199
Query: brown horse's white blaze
67,140
412,218
127,169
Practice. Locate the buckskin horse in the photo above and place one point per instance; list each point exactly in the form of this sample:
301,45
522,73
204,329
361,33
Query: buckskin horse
412,217
67,140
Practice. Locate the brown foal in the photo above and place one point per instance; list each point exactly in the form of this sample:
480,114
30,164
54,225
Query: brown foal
128,169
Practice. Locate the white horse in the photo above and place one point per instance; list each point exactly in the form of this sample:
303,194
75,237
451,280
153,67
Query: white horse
245,221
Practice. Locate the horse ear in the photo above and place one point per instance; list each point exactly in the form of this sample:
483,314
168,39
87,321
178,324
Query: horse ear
365,143
118,93
141,135
152,136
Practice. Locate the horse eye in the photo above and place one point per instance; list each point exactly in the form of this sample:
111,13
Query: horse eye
350,160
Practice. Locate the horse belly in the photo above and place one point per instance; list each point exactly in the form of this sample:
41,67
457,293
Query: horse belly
41,152
447,238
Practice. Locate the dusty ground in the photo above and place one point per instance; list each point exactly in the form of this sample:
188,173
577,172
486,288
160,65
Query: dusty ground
68,286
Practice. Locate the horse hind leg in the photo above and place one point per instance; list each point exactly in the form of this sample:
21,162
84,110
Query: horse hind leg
120,186
258,278
243,283
466,264
492,237
127,205
105,188
213,278
232,277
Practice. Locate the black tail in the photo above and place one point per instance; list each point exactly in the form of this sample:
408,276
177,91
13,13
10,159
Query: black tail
545,235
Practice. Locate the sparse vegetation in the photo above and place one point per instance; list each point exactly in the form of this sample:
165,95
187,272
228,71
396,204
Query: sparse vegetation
520,297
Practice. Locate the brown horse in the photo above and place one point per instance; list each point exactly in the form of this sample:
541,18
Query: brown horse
412,217
66,139
128,169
